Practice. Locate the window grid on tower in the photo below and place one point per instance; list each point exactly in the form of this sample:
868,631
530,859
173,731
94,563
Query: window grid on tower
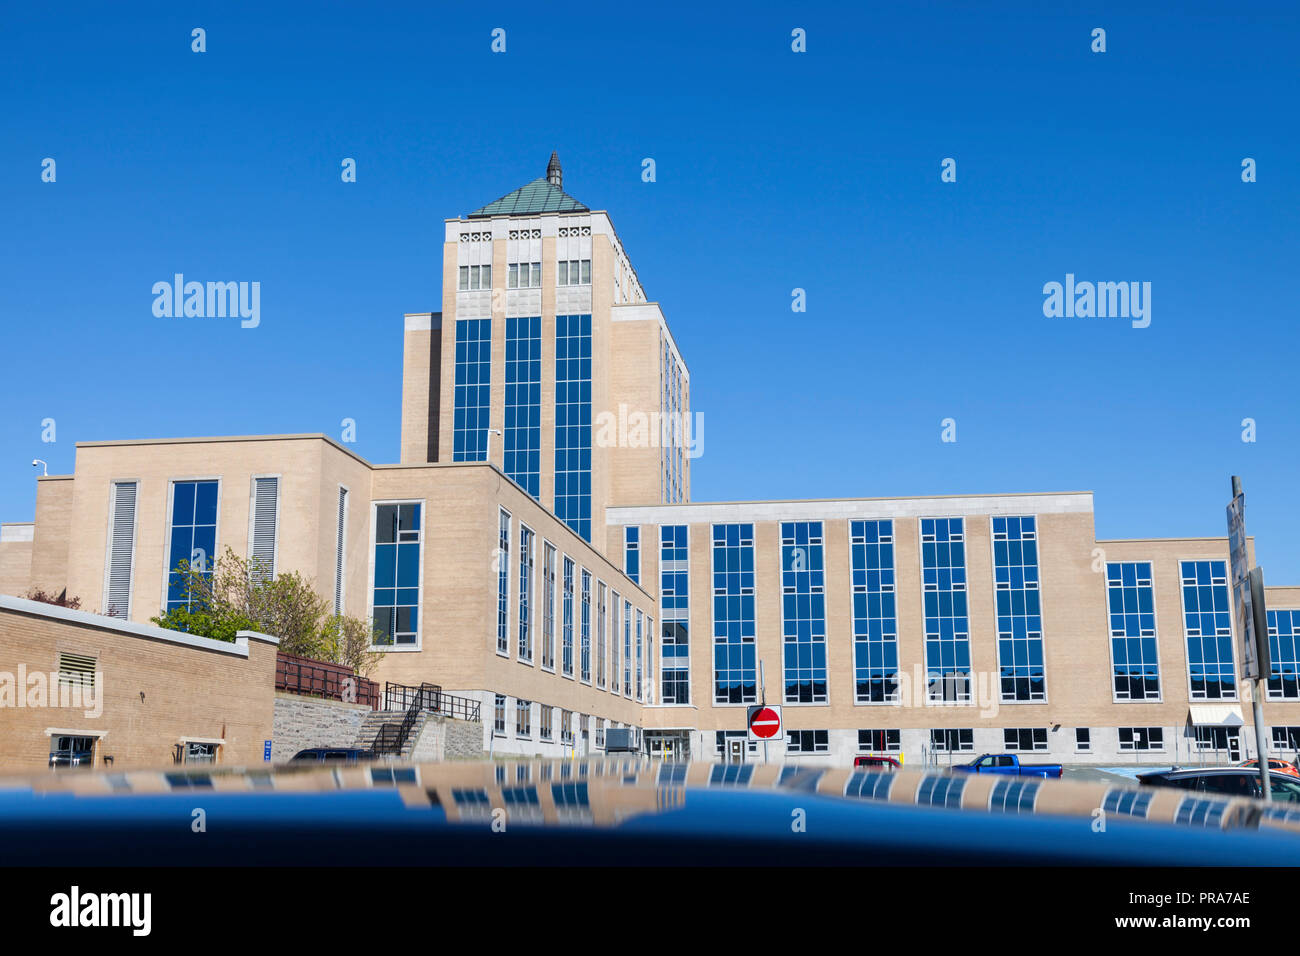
1019,609
472,389
803,612
1131,604
573,422
523,407
947,628
674,603
735,667
875,612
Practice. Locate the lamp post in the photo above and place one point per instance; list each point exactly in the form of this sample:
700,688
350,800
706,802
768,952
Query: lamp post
45,469
488,449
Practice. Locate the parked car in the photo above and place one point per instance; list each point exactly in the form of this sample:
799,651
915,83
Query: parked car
1225,781
873,762
1009,765
1275,765
332,754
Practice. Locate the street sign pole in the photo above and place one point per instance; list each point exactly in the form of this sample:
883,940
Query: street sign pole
1252,623
762,699
1257,605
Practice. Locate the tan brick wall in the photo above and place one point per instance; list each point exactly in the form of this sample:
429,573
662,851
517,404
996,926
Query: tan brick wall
461,508
53,535
155,691
421,387
635,461
306,521
15,562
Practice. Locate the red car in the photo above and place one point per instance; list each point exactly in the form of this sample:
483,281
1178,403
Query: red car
876,763
1275,765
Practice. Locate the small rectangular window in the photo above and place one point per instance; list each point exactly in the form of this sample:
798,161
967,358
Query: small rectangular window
464,278
1082,739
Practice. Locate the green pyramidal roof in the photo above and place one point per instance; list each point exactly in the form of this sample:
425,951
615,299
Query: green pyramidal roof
537,196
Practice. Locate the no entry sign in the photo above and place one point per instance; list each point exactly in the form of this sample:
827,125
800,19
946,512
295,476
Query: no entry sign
765,723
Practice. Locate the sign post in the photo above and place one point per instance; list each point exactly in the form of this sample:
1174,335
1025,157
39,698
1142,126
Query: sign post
1252,622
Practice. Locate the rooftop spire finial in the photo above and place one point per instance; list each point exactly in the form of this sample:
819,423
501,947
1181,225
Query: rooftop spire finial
555,175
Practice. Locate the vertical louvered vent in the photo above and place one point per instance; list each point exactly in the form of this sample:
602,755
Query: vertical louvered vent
76,670
261,548
121,551
338,556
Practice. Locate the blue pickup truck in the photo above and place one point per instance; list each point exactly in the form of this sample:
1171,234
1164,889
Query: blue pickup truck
1009,765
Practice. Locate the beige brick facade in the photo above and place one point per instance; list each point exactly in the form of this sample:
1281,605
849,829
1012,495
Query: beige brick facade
154,690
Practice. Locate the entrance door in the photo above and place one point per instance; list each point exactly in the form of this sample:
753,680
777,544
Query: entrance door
735,750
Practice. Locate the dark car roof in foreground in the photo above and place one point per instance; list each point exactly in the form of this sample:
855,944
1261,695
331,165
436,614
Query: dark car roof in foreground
620,810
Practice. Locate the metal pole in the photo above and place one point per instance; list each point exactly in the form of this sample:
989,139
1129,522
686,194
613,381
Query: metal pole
1258,707
762,699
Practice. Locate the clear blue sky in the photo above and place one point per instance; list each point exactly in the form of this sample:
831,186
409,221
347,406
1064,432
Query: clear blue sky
775,170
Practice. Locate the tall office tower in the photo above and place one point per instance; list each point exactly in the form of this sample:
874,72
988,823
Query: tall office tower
547,359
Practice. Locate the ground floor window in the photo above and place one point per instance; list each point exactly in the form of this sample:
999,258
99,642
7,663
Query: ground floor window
1083,739
67,750
499,716
1024,738
1141,738
808,742
196,752
1286,738
879,741
952,740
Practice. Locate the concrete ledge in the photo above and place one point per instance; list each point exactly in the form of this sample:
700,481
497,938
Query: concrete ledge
829,509
17,531
130,629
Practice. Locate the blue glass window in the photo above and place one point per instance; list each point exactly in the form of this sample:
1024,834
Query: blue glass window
1207,625
472,393
803,611
674,604
1283,635
523,431
573,422
193,537
567,659
525,593
735,665
1131,604
640,653
875,612
627,649
947,627
632,554
548,605
503,583
396,594
584,645
1020,614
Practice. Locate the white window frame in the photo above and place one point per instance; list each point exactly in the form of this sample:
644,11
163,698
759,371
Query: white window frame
167,529
370,588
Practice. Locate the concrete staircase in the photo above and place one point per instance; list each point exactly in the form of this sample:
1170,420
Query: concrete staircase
376,721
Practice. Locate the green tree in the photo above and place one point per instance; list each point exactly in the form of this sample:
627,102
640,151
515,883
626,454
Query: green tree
238,594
